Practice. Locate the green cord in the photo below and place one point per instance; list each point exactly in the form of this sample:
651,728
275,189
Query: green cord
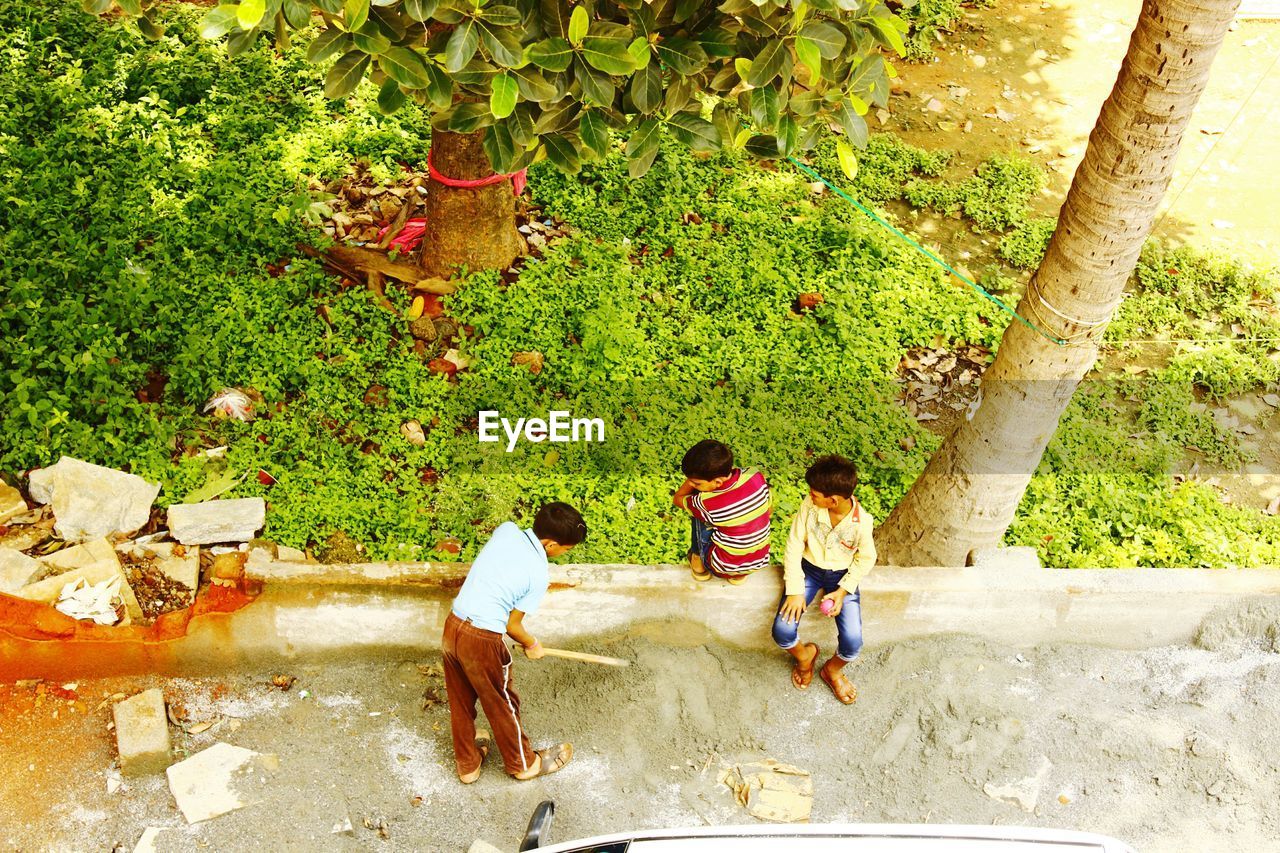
1004,306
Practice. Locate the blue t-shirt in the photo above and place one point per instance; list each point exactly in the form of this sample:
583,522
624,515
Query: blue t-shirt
509,573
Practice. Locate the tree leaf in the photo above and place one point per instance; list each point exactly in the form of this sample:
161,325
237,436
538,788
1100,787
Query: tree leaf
890,34
405,66
420,10
100,7
695,131
826,37
853,125
808,54
555,17
788,135
239,42
390,97
562,152
642,148
640,52
682,56
462,46
504,46
685,9
249,13
594,132
345,75
533,85
767,63
356,12
371,39
326,44
646,88
763,146
578,23
597,88
149,28
503,93
608,56
765,107
558,116
500,16
217,22
848,160
297,13
439,87
469,117
553,54
500,147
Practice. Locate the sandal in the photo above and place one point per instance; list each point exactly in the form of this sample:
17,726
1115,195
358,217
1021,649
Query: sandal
801,676
737,580
841,686
550,760
482,744
699,572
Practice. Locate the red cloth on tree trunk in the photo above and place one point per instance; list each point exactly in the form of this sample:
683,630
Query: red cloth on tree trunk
518,179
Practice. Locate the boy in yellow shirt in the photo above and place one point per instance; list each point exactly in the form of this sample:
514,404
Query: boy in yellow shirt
829,551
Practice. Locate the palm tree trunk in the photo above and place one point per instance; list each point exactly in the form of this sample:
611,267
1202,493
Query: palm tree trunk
472,228
967,496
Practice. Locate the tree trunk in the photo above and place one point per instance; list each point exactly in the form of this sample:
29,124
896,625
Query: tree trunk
472,228
967,496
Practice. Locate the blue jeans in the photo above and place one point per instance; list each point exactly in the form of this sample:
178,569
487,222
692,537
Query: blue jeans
848,624
700,541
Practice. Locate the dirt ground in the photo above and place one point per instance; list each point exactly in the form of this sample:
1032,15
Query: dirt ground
1030,77
1172,748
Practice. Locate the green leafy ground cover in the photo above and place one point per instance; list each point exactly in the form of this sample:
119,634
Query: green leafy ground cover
154,190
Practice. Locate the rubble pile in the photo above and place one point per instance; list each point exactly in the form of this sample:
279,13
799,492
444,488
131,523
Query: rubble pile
79,551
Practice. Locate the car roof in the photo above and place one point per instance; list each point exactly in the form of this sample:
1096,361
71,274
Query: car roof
870,838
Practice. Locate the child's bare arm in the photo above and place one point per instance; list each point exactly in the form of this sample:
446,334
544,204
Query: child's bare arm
517,632
681,497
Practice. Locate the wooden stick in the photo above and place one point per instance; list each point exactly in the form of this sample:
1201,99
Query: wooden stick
583,656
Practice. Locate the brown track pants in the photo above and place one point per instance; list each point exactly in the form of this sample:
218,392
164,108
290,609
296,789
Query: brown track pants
477,665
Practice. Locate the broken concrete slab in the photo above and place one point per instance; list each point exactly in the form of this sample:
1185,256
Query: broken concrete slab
11,503
482,846
217,521
1024,793
142,733
93,562
213,782
16,570
90,500
771,790
147,843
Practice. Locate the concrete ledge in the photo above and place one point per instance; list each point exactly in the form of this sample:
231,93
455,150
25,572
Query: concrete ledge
309,612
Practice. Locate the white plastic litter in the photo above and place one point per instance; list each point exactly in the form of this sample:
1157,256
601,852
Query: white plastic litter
82,600
231,403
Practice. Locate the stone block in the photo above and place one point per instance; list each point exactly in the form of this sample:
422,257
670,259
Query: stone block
91,501
16,570
142,733
11,503
217,521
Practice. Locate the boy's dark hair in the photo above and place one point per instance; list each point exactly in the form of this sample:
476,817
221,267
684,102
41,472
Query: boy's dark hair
560,523
707,460
833,476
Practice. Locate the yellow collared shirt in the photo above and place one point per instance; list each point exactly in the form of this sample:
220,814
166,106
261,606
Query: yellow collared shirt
847,546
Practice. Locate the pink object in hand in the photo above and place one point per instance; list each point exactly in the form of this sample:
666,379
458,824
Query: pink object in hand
827,606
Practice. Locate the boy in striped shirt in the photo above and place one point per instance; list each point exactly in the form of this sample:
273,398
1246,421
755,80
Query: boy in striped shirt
730,510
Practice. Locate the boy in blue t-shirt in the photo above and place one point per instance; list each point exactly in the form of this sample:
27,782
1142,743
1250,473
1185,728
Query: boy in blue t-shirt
507,581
